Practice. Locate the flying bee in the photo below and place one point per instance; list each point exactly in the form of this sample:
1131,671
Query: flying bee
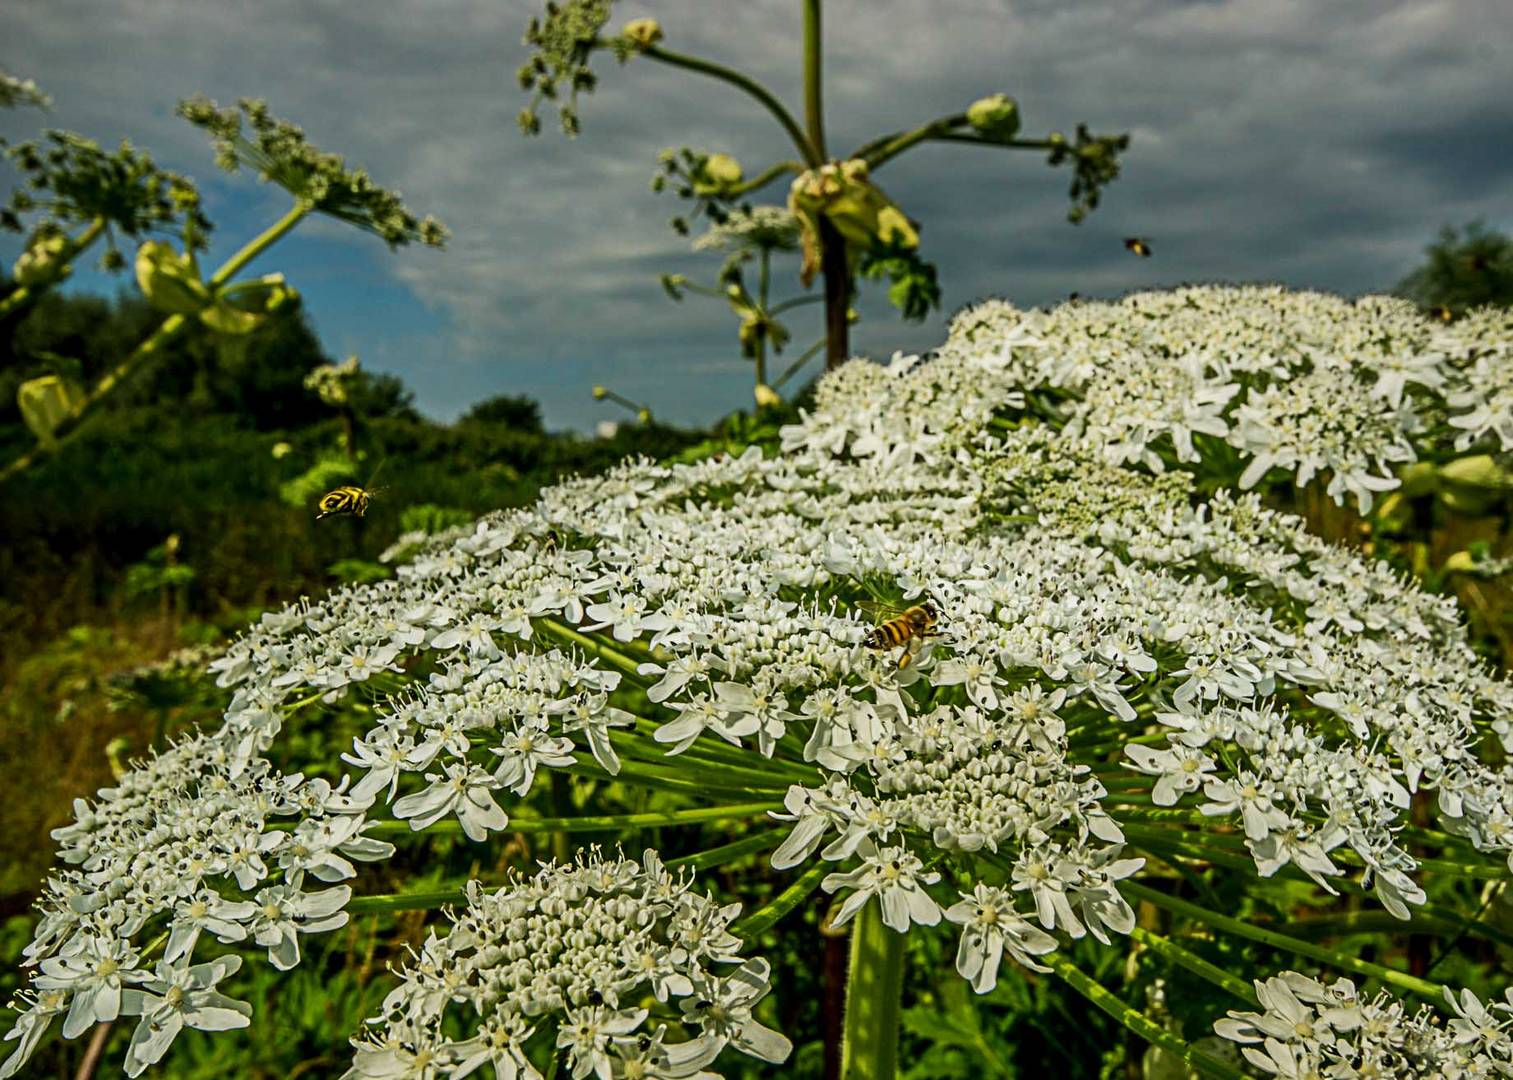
1442,313
344,500
349,499
1138,246
910,626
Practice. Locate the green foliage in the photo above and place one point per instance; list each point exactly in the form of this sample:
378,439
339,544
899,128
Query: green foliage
257,380
514,411
430,518
915,289
358,571
1463,269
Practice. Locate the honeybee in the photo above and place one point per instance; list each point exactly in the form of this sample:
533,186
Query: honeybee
1138,246
904,630
1442,313
344,500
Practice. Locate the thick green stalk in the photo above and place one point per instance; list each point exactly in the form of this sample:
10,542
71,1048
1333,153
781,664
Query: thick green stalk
1137,1021
17,299
1284,942
742,82
874,987
261,242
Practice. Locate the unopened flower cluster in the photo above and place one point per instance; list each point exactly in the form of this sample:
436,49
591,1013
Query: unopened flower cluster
611,951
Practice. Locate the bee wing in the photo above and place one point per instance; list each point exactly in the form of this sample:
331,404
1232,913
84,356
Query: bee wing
876,607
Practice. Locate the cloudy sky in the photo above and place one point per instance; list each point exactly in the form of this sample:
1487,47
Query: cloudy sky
1319,144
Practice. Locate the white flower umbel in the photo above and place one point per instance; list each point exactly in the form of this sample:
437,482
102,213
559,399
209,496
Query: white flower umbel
1310,1029
572,950
1121,661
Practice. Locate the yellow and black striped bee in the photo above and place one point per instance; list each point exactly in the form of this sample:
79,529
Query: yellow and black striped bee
903,631
1442,313
1138,246
344,500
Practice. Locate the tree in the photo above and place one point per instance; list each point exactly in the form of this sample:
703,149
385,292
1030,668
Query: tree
514,411
1463,269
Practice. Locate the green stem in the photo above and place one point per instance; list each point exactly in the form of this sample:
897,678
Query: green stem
769,913
16,299
1137,1021
877,155
874,988
1216,921
742,82
602,823
797,301
718,856
808,355
261,242
763,178
814,105
594,646
385,902
1194,963
764,280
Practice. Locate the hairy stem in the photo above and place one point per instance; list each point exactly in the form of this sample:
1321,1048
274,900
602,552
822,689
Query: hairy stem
874,987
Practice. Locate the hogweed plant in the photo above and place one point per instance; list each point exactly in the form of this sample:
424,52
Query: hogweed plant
1140,690
847,226
71,181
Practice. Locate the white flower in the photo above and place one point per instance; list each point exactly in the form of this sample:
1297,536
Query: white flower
465,790
1178,768
95,973
990,925
895,876
176,997
722,1009
284,912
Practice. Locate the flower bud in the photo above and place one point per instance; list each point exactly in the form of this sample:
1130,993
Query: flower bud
716,174
644,416
995,117
767,397
642,33
600,393
44,262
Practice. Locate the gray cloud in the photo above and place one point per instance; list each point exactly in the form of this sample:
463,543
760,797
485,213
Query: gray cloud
1318,143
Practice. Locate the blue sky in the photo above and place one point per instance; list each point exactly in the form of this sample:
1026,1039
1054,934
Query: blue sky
1321,144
